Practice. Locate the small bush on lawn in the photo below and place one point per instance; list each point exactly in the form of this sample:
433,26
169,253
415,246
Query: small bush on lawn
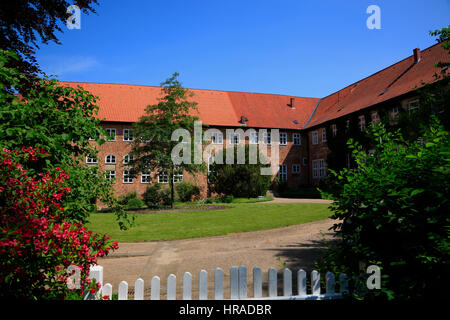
239,180
156,197
135,203
123,200
187,191
226,199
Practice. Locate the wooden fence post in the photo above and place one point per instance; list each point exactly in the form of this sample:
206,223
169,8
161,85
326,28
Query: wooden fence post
123,291
139,289
203,285
155,288
187,286
287,282
257,282
218,284
172,287
273,288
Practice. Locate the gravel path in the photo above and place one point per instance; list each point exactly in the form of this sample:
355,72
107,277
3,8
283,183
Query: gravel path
297,246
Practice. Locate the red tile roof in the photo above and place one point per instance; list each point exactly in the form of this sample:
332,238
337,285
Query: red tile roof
126,103
398,79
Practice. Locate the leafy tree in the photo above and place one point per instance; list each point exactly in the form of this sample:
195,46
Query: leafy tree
23,21
238,180
153,149
392,211
61,120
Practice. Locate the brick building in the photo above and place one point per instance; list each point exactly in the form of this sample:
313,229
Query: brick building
302,122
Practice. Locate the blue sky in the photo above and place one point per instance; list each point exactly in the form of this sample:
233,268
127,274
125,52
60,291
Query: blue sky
293,47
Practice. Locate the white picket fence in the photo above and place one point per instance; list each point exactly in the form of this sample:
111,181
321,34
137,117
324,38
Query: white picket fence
238,285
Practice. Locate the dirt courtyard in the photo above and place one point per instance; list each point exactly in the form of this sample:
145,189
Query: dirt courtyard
296,247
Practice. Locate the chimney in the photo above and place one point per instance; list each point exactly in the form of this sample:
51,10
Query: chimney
292,104
417,55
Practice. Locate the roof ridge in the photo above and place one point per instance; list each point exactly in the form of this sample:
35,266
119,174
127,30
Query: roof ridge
390,66
214,90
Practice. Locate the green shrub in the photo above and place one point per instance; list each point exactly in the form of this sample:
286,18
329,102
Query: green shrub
239,180
392,211
165,197
226,199
123,200
151,196
187,191
135,203
155,196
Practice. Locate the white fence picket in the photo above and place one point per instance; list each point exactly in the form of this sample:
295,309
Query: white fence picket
242,282
343,283
203,285
218,284
155,288
107,291
123,291
287,282
238,285
139,289
257,282
172,287
273,287
187,286
301,282
234,283
330,283
315,282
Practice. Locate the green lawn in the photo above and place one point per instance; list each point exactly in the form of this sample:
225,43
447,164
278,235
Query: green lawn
182,225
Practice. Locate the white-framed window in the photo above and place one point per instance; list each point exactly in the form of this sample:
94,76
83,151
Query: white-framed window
146,177
297,139
282,172
254,137
91,160
375,117
234,138
283,138
110,175
110,159
296,167
413,106
128,134
267,137
319,168
110,134
217,138
394,113
324,135
362,123
127,158
126,177
92,139
163,176
315,137
178,176
334,129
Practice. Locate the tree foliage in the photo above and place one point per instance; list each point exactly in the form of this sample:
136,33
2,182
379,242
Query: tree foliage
61,120
152,148
238,180
392,211
24,23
